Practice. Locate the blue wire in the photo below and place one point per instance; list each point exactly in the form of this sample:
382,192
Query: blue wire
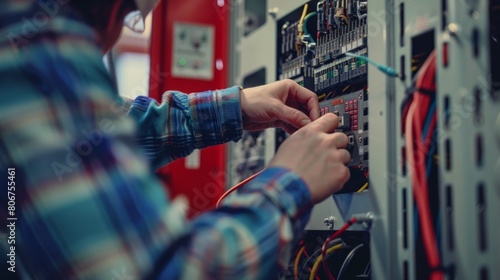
432,111
391,72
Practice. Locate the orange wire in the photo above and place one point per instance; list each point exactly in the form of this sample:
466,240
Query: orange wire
237,186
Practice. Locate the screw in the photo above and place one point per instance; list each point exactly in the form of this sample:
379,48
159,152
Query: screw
330,222
273,12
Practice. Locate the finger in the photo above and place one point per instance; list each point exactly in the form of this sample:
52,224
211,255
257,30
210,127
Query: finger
292,116
327,123
344,173
307,98
288,128
344,155
339,139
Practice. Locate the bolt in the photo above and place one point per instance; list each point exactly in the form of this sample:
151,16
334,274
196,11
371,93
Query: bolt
273,12
329,222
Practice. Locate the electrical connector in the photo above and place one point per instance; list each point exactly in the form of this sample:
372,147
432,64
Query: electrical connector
391,72
365,219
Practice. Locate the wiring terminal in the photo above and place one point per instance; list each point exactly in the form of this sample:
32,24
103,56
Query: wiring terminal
365,219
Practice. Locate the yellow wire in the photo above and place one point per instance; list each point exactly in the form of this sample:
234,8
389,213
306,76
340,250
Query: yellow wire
301,27
363,188
296,263
318,260
304,12
346,19
346,88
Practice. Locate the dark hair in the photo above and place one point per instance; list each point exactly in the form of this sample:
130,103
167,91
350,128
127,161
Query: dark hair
101,14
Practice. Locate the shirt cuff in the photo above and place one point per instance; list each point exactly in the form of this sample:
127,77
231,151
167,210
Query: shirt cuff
285,189
216,114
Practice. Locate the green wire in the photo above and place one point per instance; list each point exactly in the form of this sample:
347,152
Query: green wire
304,28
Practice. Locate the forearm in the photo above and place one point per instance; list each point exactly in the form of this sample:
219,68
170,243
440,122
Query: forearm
182,123
250,237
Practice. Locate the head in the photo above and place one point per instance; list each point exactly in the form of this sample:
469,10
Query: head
107,17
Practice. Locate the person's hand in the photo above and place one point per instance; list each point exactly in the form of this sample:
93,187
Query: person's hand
282,104
317,156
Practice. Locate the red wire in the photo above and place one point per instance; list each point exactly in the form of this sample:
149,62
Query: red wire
237,186
328,240
415,118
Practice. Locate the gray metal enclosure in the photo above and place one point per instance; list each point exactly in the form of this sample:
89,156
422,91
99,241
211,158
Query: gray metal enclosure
468,128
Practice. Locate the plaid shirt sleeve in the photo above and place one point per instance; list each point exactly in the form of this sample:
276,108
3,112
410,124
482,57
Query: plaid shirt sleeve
182,123
87,204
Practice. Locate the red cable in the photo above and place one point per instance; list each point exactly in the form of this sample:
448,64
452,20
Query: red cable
237,186
328,240
415,118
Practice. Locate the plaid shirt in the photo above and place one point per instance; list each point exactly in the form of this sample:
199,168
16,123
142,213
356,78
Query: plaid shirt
88,205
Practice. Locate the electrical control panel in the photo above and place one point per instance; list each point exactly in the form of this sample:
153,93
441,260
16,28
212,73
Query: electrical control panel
193,51
352,109
321,46
415,85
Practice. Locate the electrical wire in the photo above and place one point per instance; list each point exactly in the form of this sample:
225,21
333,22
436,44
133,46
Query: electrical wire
314,269
329,239
296,263
368,269
237,186
413,134
304,13
301,27
358,10
364,187
391,72
348,260
315,255
306,32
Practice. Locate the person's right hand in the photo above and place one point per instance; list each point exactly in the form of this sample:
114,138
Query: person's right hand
317,156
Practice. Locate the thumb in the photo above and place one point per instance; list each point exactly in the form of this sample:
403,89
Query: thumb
327,123
292,116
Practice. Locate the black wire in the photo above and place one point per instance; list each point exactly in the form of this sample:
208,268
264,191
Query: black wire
348,260
368,269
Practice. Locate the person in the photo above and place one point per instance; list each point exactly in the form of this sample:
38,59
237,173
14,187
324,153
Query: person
87,204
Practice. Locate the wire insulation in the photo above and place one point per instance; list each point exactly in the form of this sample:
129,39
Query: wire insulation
364,187
348,260
314,269
296,263
417,148
329,239
237,186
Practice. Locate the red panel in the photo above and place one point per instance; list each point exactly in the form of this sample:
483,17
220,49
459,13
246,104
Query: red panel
205,185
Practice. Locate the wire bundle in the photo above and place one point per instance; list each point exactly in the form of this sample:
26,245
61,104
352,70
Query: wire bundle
328,240
420,121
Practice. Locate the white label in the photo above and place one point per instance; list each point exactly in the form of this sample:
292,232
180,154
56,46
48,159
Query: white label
193,160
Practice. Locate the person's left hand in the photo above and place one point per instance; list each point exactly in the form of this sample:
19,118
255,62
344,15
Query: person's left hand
282,104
